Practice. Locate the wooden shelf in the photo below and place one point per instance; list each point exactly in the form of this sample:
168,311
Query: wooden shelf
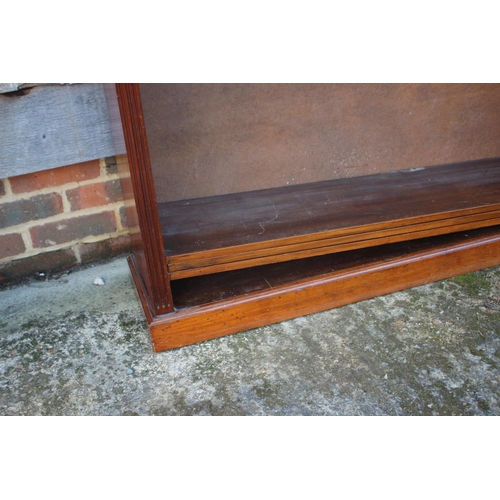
237,231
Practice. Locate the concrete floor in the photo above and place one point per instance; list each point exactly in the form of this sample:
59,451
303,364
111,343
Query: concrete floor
69,347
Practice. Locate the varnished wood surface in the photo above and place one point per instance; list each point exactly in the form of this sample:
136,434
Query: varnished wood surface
227,232
364,277
150,254
142,291
207,289
251,229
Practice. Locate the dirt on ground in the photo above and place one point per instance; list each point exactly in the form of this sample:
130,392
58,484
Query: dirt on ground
72,347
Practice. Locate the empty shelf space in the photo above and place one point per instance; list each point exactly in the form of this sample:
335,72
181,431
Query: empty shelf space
209,289
236,231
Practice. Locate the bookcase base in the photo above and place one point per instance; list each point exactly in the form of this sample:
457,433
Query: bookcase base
388,272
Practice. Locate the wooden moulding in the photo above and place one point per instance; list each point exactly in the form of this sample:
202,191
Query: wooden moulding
223,233
150,258
393,268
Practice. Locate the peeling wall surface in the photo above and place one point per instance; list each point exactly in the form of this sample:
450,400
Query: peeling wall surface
45,126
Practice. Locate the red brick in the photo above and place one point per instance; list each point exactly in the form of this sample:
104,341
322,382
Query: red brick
123,217
111,165
131,218
94,195
73,229
106,249
55,177
30,209
127,189
45,262
10,245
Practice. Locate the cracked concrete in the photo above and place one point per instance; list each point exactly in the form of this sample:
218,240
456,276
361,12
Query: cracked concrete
69,347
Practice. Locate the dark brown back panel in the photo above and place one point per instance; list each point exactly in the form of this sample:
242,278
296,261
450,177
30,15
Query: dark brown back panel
212,139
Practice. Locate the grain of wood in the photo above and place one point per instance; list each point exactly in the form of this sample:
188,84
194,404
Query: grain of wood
228,232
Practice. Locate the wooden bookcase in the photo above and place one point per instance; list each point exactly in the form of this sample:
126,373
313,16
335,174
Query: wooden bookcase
218,264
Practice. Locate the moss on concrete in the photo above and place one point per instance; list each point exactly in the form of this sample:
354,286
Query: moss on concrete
432,350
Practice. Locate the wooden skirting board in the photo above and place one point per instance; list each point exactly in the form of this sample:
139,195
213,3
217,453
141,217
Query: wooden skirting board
358,275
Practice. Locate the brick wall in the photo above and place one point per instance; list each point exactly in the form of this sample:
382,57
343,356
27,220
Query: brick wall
59,218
